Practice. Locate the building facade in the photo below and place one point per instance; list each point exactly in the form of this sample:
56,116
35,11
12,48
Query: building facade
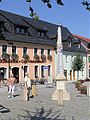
26,46
86,44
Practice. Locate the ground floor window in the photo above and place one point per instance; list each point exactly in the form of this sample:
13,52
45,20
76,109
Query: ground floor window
89,72
49,70
36,71
25,70
42,71
65,73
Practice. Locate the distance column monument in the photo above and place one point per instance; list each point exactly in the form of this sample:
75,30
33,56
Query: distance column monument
60,78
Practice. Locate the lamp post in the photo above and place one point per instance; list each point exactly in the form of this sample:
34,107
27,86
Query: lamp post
9,65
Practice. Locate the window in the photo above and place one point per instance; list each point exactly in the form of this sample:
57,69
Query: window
35,51
4,49
38,34
36,71
42,51
49,70
17,30
70,44
42,71
21,30
89,73
79,46
89,58
24,50
48,51
13,49
41,34
82,72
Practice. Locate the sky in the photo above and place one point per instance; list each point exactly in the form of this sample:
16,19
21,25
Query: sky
72,15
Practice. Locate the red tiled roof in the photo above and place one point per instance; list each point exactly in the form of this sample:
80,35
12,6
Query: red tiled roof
82,38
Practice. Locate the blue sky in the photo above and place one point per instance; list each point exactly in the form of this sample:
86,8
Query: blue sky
72,15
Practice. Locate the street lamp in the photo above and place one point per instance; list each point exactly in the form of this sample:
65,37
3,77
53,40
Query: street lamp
9,65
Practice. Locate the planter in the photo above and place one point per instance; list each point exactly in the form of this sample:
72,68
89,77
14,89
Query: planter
36,57
49,57
26,58
84,90
43,58
15,57
5,57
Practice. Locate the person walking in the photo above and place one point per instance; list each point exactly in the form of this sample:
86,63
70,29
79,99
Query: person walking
11,86
27,82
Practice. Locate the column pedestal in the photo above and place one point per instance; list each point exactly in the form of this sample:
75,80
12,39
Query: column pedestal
60,85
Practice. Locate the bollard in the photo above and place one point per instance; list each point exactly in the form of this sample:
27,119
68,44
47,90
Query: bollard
33,90
88,90
60,97
25,97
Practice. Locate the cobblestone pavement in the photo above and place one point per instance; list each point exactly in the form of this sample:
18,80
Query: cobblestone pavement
42,107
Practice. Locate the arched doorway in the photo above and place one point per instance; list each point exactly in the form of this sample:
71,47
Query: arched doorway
15,71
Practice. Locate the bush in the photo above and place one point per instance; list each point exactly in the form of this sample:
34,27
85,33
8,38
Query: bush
87,80
82,81
77,84
84,90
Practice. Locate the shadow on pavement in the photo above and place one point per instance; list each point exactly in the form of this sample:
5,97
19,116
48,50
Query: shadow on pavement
4,109
41,114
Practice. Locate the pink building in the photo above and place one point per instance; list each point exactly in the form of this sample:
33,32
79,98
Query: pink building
26,45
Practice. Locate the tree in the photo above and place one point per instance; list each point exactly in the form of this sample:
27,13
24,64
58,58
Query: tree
78,64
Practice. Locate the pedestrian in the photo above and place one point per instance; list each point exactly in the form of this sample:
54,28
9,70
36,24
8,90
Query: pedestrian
11,85
27,84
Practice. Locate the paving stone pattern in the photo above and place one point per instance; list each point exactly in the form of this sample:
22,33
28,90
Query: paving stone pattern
41,107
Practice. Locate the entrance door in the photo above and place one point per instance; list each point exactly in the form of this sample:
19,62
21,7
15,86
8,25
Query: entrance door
15,72
70,74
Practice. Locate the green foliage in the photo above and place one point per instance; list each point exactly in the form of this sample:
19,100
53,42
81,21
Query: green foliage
43,57
49,57
78,63
15,57
83,90
36,57
26,57
6,57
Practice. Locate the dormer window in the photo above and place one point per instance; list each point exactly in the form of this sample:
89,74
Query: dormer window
41,34
17,30
79,46
70,44
21,30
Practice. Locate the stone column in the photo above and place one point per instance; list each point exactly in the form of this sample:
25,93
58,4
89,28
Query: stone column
60,78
